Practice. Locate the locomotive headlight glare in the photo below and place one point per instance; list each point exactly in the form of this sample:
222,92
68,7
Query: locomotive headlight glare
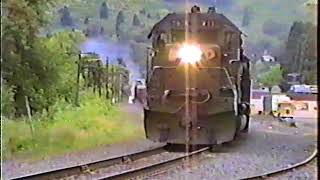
189,53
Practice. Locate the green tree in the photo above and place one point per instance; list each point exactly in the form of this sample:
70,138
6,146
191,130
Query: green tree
301,52
143,11
246,17
135,21
66,19
34,66
7,101
21,23
119,21
272,78
258,68
86,20
120,17
104,11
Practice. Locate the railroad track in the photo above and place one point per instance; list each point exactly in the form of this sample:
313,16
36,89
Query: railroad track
84,168
161,167
285,170
132,173
149,170
154,169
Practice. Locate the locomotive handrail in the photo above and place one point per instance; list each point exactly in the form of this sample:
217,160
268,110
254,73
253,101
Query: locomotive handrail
205,100
164,67
224,69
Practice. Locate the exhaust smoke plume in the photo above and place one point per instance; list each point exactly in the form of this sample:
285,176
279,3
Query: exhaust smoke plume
112,50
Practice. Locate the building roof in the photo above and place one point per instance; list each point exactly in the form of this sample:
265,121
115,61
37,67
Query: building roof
259,94
303,97
268,58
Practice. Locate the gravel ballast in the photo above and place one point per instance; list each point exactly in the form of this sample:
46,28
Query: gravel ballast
269,146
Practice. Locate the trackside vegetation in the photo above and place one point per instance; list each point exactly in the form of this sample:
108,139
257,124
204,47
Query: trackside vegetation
38,83
65,128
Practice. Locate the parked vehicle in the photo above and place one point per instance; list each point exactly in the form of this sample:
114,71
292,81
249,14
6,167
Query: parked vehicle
285,110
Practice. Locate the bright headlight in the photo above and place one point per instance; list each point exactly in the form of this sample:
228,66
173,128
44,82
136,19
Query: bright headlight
190,53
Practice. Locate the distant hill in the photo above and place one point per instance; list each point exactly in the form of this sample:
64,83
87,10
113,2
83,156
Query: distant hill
267,23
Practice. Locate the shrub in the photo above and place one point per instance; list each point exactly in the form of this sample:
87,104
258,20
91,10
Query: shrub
7,101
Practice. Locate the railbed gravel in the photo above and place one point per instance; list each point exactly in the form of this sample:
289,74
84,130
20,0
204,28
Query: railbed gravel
302,173
119,168
15,168
270,145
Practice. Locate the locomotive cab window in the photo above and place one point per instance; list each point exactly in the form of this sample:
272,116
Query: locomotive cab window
177,36
208,23
211,23
176,23
228,38
204,23
161,40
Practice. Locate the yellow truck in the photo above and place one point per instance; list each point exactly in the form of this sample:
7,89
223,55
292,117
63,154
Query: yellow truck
285,110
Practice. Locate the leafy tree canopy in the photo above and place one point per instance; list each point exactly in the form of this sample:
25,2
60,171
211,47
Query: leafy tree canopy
34,66
246,17
272,78
66,19
104,11
136,21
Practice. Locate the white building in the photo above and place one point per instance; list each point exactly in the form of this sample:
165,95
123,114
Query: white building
267,57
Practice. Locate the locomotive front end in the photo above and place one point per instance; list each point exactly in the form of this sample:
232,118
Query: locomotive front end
195,93
191,96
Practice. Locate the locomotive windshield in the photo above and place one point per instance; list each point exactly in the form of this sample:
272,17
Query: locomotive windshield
178,36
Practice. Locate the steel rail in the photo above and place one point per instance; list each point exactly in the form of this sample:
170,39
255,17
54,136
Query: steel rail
284,170
79,169
150,169
147,170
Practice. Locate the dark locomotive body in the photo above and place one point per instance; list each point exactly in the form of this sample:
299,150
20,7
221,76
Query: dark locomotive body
217,87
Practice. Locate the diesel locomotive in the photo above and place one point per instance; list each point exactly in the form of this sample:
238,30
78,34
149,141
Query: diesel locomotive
197,80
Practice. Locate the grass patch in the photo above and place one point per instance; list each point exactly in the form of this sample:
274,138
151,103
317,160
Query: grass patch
66,129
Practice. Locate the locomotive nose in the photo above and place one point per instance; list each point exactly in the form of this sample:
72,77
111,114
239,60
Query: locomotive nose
163,132
196,96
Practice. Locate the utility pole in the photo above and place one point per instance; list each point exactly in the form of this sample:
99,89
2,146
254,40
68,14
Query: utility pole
99,77
147,66
119,86
80,68
78,80
113,71
107,78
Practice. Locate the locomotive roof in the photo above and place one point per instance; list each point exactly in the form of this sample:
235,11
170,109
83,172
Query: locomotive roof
165,23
